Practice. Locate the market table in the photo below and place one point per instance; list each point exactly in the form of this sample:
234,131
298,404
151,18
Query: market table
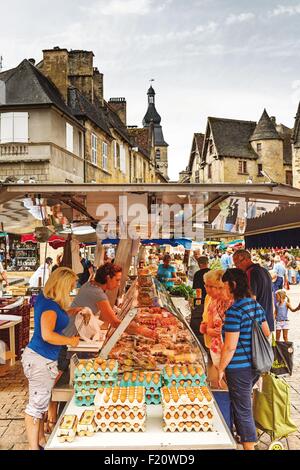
154,438
11,322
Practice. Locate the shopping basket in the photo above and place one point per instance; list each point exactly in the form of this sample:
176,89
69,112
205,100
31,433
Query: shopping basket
271,409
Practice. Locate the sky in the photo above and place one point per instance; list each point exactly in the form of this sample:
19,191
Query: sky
223,58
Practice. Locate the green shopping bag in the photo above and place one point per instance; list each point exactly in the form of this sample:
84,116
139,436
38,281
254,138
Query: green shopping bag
271,407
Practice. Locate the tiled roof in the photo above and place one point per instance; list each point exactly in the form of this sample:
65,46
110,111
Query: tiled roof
231,137
140,138
265,129
286,134
26,85
198,140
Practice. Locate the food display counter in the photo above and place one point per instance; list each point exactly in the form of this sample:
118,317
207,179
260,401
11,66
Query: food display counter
143,392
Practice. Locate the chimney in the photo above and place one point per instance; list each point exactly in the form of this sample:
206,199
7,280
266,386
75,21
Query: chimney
119,106
55,67
98,85
81,72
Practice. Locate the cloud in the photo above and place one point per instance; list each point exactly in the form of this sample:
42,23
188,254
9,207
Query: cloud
286,10
241,18
127,7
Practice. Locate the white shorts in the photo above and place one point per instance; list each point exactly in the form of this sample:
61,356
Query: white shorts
41,374
282,325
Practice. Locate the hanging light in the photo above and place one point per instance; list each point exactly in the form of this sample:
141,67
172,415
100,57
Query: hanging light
82,229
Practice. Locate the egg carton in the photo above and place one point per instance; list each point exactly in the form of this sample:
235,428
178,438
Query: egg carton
184,375
190,382
186,413
188,427
95,376
131,396
87,425
149,380
130,418
121,408
120,427
185,396
94,385
153,399
67,429
84,400
188,416
90,368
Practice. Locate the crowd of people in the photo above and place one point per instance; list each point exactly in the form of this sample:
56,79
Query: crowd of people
231,298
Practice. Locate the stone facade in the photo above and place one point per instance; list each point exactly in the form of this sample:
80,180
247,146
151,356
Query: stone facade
74,135
236,151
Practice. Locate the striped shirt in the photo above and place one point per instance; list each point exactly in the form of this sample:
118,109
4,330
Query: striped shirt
238,319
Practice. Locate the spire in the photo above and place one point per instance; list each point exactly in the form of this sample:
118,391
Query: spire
265,129
151,114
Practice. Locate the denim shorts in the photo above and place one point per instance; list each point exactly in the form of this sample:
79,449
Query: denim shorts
41,374
240,383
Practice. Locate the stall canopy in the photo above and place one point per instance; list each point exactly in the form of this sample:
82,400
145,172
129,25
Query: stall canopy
277,229
225,209
186,243
54,241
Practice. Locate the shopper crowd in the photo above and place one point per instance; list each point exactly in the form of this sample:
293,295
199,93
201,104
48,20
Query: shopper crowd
249,286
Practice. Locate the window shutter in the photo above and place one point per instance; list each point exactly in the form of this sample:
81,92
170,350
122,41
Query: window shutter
69,137
20,127
7,128
123,159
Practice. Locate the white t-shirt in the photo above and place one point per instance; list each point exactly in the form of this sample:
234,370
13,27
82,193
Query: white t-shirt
1,268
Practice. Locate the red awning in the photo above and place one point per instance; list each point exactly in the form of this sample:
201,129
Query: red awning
54,241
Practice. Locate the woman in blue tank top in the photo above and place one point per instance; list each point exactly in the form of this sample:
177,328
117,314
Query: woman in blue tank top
51,316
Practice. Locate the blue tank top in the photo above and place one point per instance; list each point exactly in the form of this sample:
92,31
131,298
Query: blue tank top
37,344
282,311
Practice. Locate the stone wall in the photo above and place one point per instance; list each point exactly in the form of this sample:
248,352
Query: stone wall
271,158
296,167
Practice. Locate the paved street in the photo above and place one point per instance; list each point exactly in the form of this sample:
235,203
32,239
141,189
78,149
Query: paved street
13,394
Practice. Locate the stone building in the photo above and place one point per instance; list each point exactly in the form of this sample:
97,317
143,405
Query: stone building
55,125
236,151
152,121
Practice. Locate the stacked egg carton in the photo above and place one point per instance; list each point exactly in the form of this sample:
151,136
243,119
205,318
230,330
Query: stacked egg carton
91,375
150,380
187,409
121,409
87,425
190,375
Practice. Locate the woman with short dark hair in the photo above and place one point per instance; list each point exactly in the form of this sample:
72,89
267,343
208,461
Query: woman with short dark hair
236,354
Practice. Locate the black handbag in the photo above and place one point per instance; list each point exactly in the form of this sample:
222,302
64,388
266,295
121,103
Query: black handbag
283,357
262,352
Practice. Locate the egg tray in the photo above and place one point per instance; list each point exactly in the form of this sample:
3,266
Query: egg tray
94,385
181,411
187,427
120,427
131,396
119,420
186,382
84,400
87,368
184,375
91,375
188,415
152,400
142,379
175,396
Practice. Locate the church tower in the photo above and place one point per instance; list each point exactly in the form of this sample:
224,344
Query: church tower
152,120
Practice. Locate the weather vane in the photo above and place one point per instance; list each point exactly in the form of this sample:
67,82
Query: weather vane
152,80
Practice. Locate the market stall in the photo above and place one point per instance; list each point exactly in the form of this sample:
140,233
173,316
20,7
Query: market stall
138,375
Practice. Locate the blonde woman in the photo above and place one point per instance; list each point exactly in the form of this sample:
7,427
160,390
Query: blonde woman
51,316
218,301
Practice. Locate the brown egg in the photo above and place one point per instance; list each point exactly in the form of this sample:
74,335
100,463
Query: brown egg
176,416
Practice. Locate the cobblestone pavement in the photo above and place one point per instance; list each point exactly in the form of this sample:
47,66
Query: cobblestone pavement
13,394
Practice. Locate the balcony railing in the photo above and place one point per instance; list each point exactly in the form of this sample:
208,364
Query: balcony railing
11,150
